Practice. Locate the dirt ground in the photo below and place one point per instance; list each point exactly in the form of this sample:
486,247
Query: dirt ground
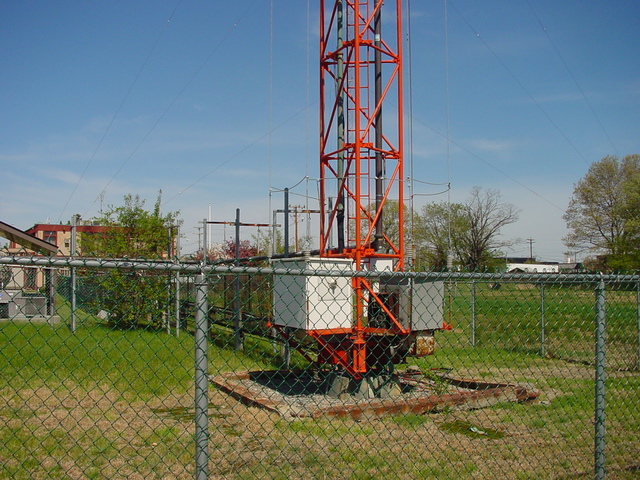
75,432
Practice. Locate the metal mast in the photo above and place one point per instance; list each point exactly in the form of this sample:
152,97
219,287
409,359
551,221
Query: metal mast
361,165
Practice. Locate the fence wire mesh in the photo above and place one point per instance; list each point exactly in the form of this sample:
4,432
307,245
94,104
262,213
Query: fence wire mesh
136,369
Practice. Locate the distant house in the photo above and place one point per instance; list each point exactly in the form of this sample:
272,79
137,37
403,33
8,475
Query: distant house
533,268
56,236
21,288
571,267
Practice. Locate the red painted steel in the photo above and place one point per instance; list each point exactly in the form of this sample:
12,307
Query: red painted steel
353,147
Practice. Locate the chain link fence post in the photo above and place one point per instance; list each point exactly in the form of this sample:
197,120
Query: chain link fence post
201,378
237,313
543,351
72,321
473,313
600,382
638,317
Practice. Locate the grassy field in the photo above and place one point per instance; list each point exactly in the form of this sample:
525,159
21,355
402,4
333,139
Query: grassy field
512,317
110,404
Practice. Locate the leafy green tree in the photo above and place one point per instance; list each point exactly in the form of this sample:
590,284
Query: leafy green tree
469,230
437,230
391,224
133,299
603,216
132,231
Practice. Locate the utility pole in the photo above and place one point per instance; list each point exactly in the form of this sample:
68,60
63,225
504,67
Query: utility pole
530,240
199,230
296,210
237,316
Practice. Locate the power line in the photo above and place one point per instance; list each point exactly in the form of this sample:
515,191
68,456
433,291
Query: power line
117,112
492,166
520,84
235,155
575,81
182,90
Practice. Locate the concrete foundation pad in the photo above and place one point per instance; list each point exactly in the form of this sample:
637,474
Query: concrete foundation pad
295,394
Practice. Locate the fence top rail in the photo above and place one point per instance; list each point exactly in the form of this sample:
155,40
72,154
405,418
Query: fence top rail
197,268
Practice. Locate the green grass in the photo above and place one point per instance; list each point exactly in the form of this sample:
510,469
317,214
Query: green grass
100,403
510,318
136,362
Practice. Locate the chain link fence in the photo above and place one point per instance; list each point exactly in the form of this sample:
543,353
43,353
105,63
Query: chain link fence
135,369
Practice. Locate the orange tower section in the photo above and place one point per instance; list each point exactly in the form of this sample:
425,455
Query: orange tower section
361,170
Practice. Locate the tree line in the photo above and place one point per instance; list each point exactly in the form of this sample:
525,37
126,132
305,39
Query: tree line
602,218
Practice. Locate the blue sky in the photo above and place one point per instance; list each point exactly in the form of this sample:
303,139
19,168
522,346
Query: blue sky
215,103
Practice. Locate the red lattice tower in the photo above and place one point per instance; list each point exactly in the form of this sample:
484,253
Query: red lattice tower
361,164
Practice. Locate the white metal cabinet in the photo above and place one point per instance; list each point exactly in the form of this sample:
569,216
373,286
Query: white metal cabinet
313,302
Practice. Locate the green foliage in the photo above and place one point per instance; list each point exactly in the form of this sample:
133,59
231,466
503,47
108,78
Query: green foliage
603,215
264,242
131,231
436,229
132,299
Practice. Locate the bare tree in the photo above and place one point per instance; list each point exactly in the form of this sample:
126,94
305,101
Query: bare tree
470,231
484,214
391,224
